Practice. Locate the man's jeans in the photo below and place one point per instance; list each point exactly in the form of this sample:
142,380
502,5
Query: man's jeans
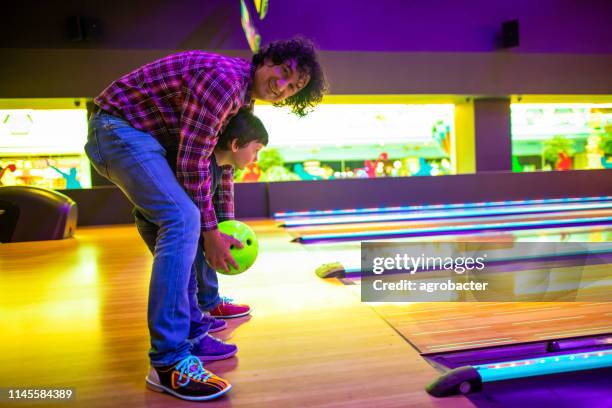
207,287
136,163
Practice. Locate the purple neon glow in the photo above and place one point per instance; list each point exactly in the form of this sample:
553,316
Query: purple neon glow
284,215
430,215
455,229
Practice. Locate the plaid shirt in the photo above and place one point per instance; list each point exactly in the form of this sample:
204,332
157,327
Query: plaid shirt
184,100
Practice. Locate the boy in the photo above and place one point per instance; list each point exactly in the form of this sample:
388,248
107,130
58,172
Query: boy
180,103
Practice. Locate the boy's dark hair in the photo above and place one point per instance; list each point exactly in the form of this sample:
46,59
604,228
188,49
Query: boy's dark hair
305,55
246,128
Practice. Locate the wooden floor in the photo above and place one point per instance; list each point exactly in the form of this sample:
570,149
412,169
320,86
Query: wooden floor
440,327
73,314
454,327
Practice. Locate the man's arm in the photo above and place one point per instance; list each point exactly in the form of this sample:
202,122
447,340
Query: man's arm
209,99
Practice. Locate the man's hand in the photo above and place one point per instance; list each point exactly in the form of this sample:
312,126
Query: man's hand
217,249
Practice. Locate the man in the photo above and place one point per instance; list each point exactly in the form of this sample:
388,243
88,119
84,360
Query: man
180,104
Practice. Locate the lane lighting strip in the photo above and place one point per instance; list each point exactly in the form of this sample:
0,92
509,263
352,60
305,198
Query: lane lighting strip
433,215
470,378
282,215
453,229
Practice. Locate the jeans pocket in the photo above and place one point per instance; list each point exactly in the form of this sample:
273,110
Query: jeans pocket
112,123
121,135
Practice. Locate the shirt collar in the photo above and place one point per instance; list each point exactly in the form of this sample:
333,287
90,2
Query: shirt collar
248,100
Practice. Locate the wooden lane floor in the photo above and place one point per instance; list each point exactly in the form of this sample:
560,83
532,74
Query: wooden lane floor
433,327
73,314
440,327
446,222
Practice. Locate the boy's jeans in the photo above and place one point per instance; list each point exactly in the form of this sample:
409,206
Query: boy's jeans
136,163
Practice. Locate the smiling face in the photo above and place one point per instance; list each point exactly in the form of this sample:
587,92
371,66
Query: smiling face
275,83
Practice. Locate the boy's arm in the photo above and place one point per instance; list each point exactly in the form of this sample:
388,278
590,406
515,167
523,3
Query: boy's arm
224,205
224,195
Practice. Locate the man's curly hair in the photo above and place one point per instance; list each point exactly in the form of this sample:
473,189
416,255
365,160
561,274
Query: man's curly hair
305,55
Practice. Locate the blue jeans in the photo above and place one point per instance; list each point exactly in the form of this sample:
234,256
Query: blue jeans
136,162
199,323
207,286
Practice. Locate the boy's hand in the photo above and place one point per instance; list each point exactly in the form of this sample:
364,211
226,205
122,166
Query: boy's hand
217,249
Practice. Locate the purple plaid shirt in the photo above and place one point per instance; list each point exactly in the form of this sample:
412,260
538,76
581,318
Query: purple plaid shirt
184,100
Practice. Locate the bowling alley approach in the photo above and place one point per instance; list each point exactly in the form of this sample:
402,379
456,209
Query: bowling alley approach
256,203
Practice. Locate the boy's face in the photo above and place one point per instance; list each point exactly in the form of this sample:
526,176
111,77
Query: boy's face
245,155
275,83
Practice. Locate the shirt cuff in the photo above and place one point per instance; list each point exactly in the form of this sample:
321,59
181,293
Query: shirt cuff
209,221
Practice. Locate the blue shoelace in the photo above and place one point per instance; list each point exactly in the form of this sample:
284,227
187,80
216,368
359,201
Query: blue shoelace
186,369
225,299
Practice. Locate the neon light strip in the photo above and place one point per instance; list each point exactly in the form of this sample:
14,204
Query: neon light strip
439,206
545,365
358,236
443,214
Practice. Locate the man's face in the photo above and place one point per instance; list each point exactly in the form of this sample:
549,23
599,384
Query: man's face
275,83
245,155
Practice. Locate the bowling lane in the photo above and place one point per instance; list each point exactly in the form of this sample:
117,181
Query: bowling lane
349,253
439,327
428,213
447,219
440,224
306,215
497,225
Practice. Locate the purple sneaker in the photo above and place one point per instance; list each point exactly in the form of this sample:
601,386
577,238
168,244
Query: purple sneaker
212,349
217,325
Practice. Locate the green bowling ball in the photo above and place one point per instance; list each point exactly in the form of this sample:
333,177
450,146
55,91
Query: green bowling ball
245,257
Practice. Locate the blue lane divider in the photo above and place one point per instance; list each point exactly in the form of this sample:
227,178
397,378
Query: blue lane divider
452,229
468,379
435,215
283,215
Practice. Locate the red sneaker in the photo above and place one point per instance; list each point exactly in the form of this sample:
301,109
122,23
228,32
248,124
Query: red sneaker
228,310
